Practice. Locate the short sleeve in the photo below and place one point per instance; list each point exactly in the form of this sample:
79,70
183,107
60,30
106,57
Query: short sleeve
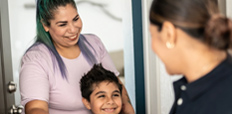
34,84
103,55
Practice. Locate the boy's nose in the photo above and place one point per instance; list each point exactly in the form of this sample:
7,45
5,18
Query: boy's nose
110,101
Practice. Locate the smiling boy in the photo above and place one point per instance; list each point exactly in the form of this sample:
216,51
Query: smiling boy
101,91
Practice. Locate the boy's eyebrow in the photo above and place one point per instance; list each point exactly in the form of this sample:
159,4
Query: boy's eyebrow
117,91
100,92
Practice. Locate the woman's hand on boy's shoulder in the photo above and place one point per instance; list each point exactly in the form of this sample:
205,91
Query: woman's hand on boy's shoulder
127,109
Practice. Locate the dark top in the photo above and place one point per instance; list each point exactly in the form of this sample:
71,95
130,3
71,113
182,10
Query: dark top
211,94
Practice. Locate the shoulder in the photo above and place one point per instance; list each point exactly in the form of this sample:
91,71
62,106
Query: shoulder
37,51
92,38
37,47
94,42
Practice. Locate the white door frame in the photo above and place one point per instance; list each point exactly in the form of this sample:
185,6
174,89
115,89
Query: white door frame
151,66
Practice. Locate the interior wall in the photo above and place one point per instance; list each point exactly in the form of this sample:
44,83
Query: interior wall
129,50
229,8
159,90
222,6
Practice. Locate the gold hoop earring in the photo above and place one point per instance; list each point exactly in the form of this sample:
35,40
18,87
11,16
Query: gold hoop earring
169,45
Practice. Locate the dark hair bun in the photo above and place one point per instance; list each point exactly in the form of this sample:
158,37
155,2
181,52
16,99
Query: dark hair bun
218,32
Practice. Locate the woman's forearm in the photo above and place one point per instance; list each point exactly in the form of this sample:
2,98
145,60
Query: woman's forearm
36,107
126,103
36,111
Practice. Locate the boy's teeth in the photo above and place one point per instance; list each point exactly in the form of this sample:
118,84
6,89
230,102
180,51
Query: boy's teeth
72,37
109,109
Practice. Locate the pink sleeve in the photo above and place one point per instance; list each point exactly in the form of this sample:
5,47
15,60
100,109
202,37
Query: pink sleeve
34,84
104,57
107,61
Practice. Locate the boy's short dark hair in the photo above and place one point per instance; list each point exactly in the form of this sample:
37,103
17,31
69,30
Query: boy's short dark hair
95,76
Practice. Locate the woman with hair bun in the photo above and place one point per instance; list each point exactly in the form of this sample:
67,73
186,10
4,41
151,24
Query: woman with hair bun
192,38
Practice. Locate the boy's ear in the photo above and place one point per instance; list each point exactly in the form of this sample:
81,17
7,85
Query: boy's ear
86,103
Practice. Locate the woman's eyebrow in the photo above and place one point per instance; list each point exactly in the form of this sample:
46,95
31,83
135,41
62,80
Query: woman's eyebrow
76,16
116,91
66,21
61,22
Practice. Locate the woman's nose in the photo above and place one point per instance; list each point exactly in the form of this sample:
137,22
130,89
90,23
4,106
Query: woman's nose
72,28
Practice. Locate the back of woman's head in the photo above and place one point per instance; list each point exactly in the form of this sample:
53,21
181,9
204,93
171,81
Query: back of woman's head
199,18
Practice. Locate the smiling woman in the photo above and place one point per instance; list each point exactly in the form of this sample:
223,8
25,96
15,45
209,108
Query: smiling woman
52,67
65,30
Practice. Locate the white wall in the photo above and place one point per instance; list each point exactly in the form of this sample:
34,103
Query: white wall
97,21
159,91
128,50
152,85
22,32
229,8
